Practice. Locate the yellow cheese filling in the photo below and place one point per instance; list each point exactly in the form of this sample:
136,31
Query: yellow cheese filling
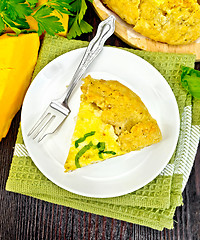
112,121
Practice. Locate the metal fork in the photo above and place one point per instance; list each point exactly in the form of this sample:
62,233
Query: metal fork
58,110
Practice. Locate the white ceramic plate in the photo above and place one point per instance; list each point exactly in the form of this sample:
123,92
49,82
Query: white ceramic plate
118,175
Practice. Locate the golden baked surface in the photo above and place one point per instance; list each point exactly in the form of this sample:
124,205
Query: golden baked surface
128,10
170,21
119,119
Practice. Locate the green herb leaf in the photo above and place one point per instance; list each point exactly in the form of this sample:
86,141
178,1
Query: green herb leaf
78,28
3,5
11,24
32,3
83,8
110,152
22,31
76,5
81,152
61,6
100,155
101,146
13,14
85,27
18,9
74,28
82,139
47,23
2,25
190,79
77,25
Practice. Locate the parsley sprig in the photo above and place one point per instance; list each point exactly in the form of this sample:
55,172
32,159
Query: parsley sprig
14,13
77,25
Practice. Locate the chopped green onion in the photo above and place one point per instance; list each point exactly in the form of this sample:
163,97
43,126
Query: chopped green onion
101,146
81,152
100,155
109,152
82,139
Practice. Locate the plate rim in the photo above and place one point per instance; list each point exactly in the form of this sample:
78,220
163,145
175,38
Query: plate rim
78,192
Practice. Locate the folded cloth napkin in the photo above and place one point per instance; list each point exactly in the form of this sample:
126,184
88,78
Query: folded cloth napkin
154,204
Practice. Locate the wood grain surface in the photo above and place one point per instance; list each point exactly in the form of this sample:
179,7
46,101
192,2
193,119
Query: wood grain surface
127,34
27,218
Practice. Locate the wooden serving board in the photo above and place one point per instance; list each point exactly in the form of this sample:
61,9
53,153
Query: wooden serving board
128,35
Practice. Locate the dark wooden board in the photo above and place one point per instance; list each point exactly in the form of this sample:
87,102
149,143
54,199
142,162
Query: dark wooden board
26,218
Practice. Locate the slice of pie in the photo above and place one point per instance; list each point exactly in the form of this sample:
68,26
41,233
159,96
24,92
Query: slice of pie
112,121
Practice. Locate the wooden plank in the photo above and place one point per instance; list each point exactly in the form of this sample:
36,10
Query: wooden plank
132,38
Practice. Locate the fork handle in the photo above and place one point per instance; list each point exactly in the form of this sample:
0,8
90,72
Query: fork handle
105,30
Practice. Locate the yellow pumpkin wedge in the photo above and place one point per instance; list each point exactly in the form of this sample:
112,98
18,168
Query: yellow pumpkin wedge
17,61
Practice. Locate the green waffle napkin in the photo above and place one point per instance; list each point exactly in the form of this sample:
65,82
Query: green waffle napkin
154,204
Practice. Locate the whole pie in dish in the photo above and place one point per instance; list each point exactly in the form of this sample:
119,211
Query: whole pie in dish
170,21
112,121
